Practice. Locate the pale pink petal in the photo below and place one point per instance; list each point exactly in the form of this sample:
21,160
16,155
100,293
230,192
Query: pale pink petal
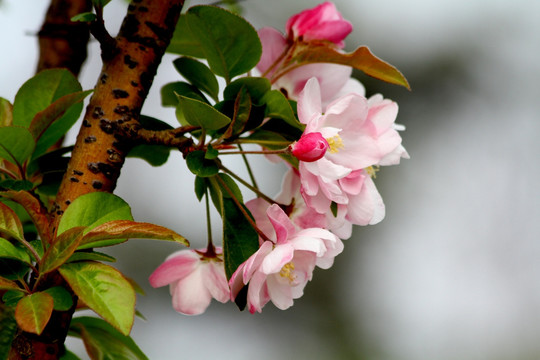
273,43
281,223
216,281
191,297
275,260
280,294
309,101
176,267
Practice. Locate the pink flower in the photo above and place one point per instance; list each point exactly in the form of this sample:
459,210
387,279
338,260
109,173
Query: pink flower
194,280
334,79
310,147
282,266
361,133
323,22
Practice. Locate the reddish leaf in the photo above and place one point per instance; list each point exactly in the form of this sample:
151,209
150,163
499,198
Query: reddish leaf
122,229
6,284
33,312
361,59
61,249
56,110
10,225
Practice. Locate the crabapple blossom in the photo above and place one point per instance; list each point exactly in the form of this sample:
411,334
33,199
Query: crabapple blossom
283,265
334,79
361,134
322,22
194,277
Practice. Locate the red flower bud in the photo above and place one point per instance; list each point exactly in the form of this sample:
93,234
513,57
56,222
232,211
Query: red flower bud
310,147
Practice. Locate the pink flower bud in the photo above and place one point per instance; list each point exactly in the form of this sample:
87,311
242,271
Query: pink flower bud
323,22
310,147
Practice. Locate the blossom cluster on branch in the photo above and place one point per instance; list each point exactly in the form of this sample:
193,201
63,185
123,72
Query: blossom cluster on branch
345,140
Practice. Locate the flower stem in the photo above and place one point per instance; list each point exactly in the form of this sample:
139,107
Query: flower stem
248,167
210,250
248,185
242,209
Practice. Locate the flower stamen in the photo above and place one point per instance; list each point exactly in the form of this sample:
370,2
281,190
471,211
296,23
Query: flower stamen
372,171
287,271
335,144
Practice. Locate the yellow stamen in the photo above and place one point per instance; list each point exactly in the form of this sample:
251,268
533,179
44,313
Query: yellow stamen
372,171
287,271
335,143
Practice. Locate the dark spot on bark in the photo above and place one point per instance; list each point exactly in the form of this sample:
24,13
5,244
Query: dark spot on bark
97,113
131,8
107,126
114,156
134,84
142,48
136,1
172,16
121,109
130,26
73,179
160,32
146,80
93,167
86,123
96,184
59,212
77,172
103,168
132,64
103,78
68,202
143,9
120,94
90,139
85,183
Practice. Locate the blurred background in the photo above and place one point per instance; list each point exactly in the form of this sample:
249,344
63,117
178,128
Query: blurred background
453,272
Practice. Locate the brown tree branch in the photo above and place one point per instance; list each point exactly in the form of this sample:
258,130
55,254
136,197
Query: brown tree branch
122,87
62,43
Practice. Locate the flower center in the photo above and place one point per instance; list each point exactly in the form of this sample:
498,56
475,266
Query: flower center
372,171
287,271
335,144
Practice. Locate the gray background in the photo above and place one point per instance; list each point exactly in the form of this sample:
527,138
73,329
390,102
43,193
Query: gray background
453,270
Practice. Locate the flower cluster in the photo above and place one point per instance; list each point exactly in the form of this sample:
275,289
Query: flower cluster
346,138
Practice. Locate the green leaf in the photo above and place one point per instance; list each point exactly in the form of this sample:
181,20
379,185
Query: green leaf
230,44
34,311
170,92
12,297
200,187
39,92
155,155
122,229
13,269
232,186
199,75
198,113
211,153
255,86
6,112
61,249
183,42
104,289
16,144
7,330
55,120
84,17
277,106
10,251
10,225
199,165
242,110
361,59
240,240
6,284
90,255
16,185
94,209
102,341
62,299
